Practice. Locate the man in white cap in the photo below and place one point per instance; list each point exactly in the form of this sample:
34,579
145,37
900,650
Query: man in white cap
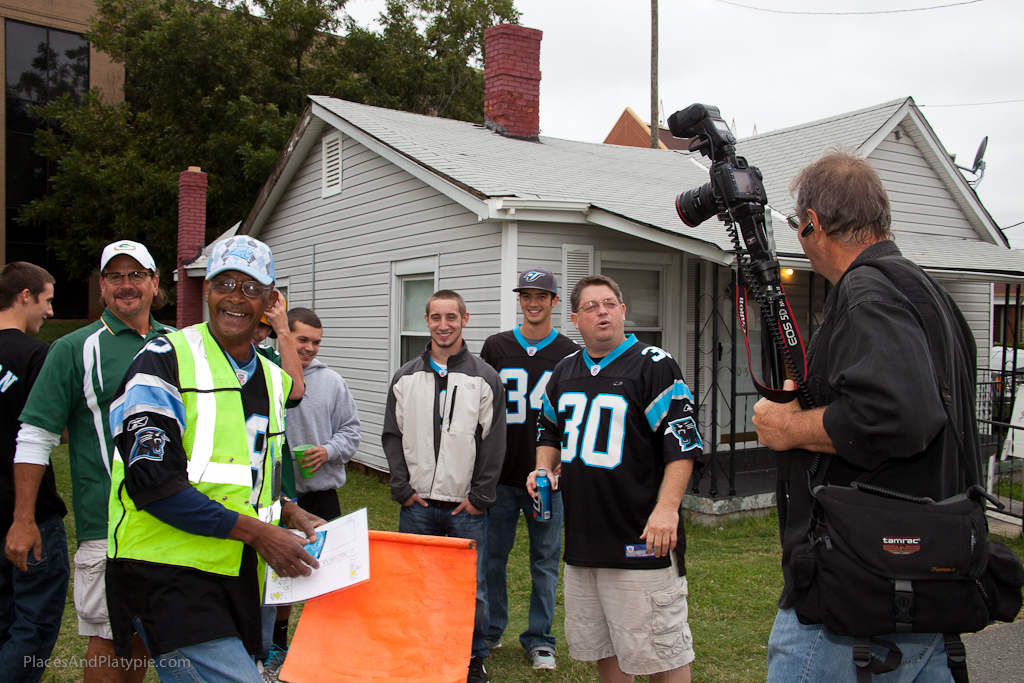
74,390
198,423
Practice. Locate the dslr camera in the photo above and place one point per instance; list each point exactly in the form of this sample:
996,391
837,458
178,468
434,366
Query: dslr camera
735,192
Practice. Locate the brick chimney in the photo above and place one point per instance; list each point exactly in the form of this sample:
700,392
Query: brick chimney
191,240
512,80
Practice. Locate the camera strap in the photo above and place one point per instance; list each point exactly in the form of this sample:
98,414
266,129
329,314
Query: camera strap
777,312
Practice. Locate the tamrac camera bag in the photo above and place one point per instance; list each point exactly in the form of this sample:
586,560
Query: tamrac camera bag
878,561
875,565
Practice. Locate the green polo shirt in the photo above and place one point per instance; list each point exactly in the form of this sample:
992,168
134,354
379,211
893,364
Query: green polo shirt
74,390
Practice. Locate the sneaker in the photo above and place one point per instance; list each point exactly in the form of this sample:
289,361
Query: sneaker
543,658
492,644
477,672
274,662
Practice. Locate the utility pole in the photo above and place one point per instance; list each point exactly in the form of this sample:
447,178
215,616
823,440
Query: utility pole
654,74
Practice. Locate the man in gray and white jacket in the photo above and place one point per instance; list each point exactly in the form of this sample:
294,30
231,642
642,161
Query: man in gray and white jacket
444,438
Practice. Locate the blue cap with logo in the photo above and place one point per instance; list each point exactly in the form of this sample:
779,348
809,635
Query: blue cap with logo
244,254
537,278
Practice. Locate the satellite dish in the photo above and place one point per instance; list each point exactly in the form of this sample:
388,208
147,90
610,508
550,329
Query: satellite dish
979,164
980,155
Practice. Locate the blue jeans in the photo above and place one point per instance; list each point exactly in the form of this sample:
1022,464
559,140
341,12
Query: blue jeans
223,660
268,613
31,605
439,521
545,549
802,653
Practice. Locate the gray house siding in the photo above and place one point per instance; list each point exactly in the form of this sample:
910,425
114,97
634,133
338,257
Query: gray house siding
337,255
974,300
921,202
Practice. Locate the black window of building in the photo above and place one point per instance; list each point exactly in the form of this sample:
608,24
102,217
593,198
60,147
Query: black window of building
42,64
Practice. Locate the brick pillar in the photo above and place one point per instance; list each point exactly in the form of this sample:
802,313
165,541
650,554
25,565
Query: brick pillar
191,240
512,80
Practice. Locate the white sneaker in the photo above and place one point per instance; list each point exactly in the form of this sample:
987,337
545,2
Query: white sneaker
543,658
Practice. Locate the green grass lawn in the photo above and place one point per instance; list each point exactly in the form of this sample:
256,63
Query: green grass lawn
1007,488
52,330
733,573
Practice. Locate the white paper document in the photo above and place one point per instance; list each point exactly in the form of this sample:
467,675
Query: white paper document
343,548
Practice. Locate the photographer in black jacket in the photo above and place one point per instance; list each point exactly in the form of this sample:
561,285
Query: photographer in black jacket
882,419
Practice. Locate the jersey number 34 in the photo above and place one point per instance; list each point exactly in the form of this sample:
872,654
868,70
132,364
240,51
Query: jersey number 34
517,395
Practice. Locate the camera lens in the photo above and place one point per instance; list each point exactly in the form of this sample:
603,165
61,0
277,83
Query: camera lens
697,205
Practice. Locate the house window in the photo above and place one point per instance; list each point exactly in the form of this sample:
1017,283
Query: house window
642,293
331,177
415,292
413,281
42,64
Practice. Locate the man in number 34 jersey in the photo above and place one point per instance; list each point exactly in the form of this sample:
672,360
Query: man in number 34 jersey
620,422
524,358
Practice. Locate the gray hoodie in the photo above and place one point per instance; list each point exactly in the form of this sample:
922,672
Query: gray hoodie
326,417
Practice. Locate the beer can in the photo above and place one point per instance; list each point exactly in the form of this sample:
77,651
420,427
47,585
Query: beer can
542,503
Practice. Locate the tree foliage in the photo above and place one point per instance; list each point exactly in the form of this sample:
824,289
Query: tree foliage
220,84
426,59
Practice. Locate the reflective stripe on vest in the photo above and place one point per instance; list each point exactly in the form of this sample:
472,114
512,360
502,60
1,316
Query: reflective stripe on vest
205,425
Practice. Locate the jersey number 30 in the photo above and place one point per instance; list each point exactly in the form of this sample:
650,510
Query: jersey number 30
516,410
605,409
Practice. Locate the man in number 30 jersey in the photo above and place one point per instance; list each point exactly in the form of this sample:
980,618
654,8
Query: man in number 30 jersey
619,420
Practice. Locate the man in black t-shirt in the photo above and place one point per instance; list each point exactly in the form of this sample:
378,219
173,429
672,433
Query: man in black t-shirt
524,358
31,596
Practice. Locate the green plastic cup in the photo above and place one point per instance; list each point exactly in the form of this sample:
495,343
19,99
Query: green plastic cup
299,452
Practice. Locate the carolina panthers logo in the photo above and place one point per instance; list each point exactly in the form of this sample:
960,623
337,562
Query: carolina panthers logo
533,276
242,253
149,445
685,430
158,345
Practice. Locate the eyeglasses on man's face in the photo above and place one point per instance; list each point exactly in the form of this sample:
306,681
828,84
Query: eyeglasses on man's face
136,277
591,306
250,288
793,220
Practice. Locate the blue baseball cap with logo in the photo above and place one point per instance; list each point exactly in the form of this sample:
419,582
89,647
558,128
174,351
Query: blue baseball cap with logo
244,254
537,278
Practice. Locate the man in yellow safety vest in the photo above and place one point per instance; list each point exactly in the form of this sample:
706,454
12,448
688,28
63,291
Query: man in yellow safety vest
195,490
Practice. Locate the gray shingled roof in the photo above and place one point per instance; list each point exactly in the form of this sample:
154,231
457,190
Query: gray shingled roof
638,184
641,184
781,153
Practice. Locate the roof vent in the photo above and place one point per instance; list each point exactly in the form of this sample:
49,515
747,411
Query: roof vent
331,178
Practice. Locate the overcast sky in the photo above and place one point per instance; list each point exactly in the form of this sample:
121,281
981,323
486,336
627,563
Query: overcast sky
774,70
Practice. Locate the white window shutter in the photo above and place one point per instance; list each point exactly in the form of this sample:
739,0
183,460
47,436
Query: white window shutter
577,262
330,183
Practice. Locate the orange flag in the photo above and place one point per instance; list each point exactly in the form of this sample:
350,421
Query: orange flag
411,622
